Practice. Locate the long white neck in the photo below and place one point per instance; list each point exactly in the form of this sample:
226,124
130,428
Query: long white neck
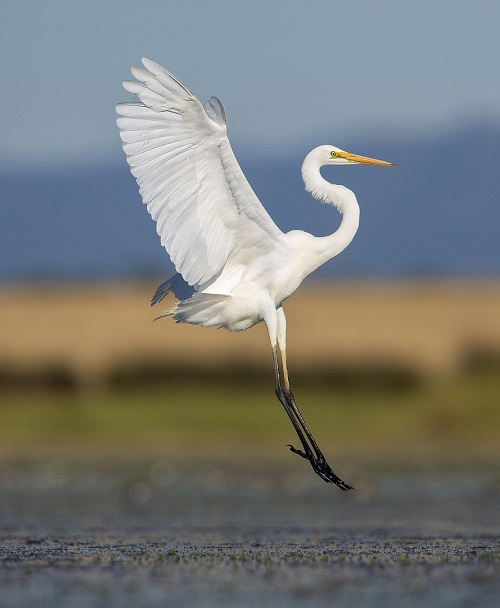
342,199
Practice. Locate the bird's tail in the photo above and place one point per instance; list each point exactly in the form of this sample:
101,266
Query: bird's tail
205,309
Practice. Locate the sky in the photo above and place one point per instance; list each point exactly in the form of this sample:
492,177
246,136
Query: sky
290,73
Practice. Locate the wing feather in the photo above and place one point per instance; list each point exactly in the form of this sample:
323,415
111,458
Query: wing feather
150,144
188,177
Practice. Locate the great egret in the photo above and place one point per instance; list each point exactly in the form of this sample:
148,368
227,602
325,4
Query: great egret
235,267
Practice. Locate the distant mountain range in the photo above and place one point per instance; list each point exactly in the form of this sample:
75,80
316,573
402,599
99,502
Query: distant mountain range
437,213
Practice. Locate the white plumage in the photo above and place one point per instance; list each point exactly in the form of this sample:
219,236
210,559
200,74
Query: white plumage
235,266
188,177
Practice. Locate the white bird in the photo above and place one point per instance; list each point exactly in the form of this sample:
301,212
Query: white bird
235,267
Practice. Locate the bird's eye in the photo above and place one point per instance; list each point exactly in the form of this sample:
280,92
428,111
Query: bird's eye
333,153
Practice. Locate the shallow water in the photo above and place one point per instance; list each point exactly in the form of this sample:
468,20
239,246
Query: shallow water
168,534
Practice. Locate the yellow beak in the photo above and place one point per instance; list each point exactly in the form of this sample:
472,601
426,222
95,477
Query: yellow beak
354,158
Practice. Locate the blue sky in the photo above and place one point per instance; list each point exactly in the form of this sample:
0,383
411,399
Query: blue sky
290,73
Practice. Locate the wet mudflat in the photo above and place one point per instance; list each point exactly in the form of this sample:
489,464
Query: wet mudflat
159,533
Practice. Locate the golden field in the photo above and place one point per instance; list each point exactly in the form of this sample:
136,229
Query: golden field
87,333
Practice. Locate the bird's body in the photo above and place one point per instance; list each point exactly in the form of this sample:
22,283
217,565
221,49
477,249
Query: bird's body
251,285
235,267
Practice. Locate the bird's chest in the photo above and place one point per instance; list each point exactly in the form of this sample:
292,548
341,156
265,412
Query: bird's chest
283,279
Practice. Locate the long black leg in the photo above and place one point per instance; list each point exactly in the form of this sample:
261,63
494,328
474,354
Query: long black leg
318,463
281,394
311,452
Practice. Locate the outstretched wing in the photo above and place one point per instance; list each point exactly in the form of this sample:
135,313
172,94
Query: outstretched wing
188,176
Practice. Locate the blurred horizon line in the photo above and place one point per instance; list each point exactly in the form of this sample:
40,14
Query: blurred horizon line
70,160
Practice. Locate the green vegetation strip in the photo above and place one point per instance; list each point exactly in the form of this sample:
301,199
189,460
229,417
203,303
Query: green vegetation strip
461,415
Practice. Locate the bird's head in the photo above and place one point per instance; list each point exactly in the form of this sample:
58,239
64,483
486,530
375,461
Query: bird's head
330,155
338,196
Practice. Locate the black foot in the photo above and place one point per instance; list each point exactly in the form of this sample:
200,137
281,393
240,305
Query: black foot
323,469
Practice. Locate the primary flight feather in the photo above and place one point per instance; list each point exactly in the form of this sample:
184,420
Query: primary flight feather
235,267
